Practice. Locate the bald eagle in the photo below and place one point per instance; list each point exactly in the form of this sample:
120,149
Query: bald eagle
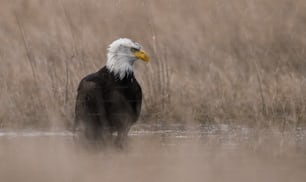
109,100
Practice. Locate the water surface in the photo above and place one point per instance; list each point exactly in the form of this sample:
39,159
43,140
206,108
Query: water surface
172,153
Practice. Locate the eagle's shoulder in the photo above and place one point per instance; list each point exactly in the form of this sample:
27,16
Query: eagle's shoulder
88,83
95,80
87,86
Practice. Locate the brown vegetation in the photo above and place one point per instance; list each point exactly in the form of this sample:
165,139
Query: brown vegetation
239,61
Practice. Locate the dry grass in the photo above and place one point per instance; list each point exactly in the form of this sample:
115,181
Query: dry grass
241,61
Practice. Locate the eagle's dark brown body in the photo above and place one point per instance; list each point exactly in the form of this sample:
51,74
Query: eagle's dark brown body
105,104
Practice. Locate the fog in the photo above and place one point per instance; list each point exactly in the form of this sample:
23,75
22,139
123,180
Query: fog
208,154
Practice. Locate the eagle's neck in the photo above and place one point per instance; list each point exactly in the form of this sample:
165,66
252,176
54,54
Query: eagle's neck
120,65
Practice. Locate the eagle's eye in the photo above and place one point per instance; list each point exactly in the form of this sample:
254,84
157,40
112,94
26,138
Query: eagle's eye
133,49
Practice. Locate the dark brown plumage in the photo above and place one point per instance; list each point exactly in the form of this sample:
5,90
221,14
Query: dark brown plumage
106,104
109,100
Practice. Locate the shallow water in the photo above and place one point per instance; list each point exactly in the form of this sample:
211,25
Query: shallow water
172,153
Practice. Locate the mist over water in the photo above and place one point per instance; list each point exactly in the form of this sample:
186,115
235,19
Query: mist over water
207,154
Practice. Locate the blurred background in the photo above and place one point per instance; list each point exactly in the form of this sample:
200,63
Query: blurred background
212,61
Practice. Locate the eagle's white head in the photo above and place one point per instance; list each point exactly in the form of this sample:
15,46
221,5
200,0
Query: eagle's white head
122,54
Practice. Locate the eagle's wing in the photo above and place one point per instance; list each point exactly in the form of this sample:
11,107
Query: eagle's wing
90,107
139,101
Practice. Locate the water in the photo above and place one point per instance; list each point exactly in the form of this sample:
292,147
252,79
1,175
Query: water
172,153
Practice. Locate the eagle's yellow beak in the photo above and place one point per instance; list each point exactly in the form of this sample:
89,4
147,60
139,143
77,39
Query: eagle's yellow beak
142,55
